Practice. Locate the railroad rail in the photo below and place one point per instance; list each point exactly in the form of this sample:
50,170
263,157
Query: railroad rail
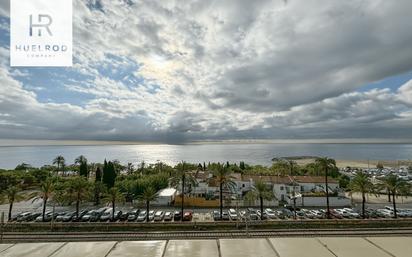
15,237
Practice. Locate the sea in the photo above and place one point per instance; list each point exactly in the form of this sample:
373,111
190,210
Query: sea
252,153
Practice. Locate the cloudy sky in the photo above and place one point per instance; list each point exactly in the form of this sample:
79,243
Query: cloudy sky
176,71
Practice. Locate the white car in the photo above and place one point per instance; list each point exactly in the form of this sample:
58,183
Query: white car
385,213
168,216
107,214
270,214
151,215
233,214
158,216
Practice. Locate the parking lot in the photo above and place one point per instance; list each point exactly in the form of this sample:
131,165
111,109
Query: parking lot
106,214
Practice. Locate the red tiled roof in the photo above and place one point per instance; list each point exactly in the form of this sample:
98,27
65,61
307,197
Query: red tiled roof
313,179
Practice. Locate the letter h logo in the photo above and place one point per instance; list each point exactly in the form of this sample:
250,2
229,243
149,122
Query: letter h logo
41,25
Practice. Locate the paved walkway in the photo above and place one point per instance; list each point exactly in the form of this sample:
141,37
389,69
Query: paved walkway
265,247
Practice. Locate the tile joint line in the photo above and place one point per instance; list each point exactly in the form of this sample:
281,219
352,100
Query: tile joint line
273,247
58,248
218,247
165,248
111,248
377,246
10,246
326,246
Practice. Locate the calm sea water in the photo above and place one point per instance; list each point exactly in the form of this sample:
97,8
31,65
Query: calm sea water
250,153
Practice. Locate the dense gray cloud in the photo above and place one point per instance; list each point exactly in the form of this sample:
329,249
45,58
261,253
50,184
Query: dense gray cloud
225,70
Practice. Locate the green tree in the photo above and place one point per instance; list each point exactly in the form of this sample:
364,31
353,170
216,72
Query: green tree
83,167
78,189
223,177
23,166
98,189
326,164
98,175
45,193
81,159
109,174
182,177
361,184
112,196
395,186
11,195
83,170
260,191
60,162
148,195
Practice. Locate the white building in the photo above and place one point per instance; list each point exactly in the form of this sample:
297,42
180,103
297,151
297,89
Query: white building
166,196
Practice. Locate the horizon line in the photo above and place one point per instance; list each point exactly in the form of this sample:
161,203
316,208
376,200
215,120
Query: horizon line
68,142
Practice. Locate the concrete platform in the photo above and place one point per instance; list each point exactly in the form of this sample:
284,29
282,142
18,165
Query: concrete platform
273,247
193,248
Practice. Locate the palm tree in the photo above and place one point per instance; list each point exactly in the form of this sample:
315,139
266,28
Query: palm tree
60,162
148,195
361,184
11,194
326,164
114,195
184,178
81,159
261,192
395,186
45,193
78,190
222,174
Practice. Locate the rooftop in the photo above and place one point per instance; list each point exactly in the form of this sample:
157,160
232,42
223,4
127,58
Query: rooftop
265,247
166,192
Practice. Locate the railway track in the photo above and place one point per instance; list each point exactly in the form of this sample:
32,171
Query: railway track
127,236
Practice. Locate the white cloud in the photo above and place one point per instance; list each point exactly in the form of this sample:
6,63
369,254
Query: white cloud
224,69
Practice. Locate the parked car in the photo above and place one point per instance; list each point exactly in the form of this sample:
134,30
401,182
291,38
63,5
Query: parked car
88,215
107,214
59,217
287,213
280,214
47,217
159,216
66,217
116,216
317,214
97,214
77,218
124,215
335,214
233,214
385,213
177,215
23,216
370,213
225,215
33,216
132,215
151,215
168,216
300,215
216,215
187,216
270,214
262,217
142,216
252,214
